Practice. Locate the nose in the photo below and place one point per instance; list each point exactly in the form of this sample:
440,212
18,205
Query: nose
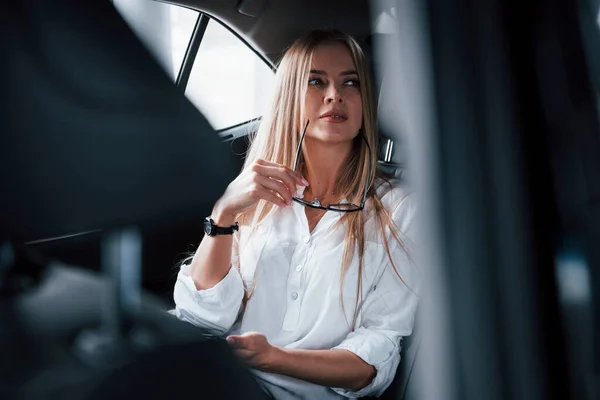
333,95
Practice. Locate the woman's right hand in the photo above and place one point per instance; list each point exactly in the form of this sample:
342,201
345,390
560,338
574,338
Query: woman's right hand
263,180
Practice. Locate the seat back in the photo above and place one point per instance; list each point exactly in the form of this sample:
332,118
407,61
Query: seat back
391,159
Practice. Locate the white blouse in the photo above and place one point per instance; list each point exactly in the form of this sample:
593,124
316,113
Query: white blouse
297,302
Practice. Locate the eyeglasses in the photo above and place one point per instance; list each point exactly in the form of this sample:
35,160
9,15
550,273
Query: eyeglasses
342,207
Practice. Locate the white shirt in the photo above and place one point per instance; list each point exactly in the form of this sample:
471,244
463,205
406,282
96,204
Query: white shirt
296,300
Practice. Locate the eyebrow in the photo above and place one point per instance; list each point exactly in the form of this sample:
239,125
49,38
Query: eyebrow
343,73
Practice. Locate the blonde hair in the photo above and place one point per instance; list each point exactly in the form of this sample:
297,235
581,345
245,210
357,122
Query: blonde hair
277,139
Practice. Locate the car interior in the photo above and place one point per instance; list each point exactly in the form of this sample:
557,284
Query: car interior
118,137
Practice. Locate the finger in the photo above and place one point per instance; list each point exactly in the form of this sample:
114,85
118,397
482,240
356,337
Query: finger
300,180
266,162
275,186
235,341
245,355
296,176
251,334
273,197
281,184
278,172
259,192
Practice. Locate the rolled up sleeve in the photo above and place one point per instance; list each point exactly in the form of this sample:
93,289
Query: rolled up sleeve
215,309
388,312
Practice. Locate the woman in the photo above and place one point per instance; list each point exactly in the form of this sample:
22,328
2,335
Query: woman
317,288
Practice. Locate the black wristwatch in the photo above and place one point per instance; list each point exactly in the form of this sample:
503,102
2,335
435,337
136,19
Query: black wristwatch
213,230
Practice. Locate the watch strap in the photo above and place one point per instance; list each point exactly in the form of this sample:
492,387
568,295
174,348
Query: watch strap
216,230
225,230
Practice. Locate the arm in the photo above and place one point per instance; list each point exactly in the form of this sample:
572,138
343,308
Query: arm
212,259
260,181
208,293
336,368
215,308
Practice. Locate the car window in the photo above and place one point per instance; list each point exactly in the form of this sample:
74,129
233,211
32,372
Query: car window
182,25
229,82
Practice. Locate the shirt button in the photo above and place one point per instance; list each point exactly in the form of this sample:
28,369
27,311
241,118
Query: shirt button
299,268
294,296
307,239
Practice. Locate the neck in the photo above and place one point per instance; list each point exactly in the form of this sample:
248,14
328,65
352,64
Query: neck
323,162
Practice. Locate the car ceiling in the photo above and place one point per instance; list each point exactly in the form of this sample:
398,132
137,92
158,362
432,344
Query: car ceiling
279,22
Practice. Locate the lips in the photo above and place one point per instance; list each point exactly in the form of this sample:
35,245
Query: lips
334,115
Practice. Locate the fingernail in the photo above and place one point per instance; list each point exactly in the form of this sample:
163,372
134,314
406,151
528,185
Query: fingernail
305,181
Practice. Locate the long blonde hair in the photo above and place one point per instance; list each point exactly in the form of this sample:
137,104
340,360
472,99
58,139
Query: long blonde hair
279,132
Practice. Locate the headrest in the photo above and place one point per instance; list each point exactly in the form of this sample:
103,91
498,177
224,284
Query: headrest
94,133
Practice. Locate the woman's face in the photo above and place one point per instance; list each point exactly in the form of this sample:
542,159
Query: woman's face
333,101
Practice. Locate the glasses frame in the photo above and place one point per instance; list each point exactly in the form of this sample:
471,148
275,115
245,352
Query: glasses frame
334,207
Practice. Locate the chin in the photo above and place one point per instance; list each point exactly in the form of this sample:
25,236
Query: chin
335,137
334,134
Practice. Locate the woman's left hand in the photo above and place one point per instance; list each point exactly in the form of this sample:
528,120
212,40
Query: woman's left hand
253,348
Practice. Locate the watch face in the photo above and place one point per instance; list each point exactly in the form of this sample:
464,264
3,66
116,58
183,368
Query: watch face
208,227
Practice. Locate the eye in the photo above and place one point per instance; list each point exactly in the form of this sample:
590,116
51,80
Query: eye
315,82
352,83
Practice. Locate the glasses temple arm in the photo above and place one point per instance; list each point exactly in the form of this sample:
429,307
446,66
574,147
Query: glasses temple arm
300,145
